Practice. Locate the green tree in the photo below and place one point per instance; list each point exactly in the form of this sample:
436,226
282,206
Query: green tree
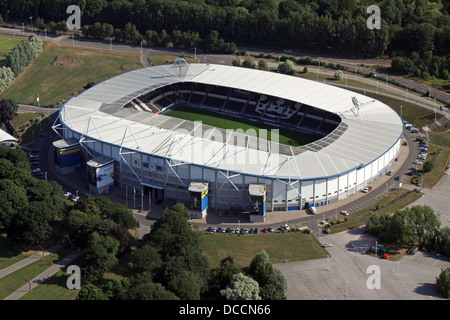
130,34
241,287
147,258
428,166
6,77
222,275
274,287
179,247
262,65
339,75
13,199
91,292
151,37
443,282
99,256
31,225
286,67
236,62
249,63
138,287
7,110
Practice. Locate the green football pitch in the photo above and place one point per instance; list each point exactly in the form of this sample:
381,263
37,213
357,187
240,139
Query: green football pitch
7,43
286,137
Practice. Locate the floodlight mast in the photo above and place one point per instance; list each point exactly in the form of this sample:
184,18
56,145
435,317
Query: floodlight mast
358,105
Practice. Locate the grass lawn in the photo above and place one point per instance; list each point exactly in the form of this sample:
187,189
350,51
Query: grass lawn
396,200
15,280
7,43
53,288
291,246
287,137
11,252
158,59
61,71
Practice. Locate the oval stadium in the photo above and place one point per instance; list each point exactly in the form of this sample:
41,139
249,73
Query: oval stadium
227,134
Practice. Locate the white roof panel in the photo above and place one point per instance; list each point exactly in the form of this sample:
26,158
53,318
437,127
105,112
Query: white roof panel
368,135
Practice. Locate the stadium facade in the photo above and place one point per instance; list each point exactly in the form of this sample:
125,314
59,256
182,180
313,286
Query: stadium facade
123,119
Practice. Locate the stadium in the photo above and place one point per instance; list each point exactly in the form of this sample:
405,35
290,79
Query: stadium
227,134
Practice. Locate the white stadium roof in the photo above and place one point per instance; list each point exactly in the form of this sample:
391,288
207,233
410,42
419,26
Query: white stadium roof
365,133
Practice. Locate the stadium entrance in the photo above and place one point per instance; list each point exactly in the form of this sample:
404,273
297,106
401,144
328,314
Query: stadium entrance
154,193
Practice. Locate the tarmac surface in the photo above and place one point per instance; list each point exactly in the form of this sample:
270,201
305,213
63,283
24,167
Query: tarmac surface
348,273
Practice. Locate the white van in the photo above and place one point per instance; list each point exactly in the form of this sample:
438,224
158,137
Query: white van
313,210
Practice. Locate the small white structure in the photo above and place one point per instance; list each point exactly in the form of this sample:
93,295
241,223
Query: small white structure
7,139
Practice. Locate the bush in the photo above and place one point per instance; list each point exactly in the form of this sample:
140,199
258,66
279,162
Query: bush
305,70
428,166
339,75
286,67
249,63
236,62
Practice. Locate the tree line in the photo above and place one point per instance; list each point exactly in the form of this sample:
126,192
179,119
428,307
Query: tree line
318,25
412,225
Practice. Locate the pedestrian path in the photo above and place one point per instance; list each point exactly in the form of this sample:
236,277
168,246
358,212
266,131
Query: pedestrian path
42,277
24,262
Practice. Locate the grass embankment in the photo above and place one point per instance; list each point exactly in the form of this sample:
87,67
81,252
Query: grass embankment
60,72
29,125
396,200
291,246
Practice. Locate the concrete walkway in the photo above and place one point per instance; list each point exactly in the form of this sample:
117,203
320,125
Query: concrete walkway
42,277
23,263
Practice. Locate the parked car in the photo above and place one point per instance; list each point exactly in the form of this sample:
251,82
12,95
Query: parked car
270,229
344,213
412,250
366,190
397,178
256,230
265,230
214,229
327,245
36,170
40,175
390,172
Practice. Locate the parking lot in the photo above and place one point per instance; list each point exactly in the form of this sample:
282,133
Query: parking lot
344,275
